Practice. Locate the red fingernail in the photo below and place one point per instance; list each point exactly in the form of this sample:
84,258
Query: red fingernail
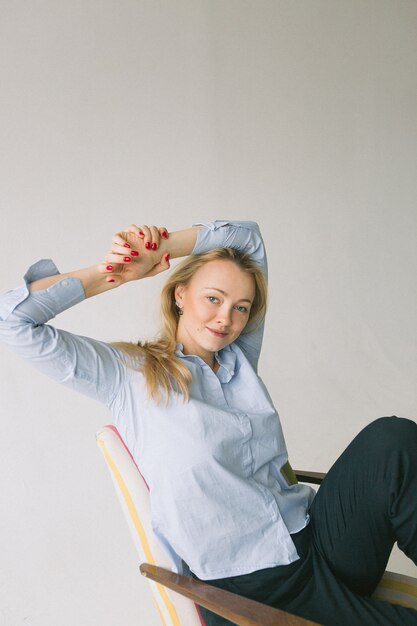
134,253
140,233
165,234
109,267
111,280
127,259
154,246
126,245
167,257
147,245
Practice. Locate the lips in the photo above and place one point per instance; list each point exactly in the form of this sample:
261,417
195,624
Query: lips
216,333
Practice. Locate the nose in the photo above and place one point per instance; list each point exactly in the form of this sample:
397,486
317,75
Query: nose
224,317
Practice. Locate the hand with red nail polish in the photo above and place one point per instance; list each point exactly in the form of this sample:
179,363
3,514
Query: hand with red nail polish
146,258
149,235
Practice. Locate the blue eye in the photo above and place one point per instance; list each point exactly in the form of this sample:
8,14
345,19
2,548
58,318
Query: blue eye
211,298
242,309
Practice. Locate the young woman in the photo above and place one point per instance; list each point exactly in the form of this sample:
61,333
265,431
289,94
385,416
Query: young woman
206,435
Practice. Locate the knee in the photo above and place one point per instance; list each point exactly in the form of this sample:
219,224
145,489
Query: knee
394,430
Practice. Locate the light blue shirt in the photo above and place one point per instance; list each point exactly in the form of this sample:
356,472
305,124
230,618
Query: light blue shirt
220,500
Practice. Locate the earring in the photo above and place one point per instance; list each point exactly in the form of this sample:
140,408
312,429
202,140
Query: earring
179,309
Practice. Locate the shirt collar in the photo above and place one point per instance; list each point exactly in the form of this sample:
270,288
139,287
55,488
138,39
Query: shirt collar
226,358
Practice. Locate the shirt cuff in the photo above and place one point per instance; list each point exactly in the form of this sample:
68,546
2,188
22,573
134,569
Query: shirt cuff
213,225
208,237
40,269
244,235
62,294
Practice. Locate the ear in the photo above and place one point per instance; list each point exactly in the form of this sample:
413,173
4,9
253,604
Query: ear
179,292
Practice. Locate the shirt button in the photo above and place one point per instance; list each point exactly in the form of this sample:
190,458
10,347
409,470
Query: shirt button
64,283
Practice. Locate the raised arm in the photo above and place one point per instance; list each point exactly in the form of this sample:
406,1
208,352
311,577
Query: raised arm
136,253
244,236
81,363
90,366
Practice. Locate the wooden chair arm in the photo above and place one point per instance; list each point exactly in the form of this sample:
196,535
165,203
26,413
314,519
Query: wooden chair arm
237,609
309,477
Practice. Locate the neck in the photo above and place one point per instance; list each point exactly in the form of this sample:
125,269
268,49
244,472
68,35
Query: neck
207,357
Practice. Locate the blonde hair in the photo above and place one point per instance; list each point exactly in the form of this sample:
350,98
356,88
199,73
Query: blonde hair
162,369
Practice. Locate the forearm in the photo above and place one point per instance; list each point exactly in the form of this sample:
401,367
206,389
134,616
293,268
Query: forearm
92,280
180,242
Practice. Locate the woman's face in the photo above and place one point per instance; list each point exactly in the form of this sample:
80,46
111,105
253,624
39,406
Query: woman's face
216,304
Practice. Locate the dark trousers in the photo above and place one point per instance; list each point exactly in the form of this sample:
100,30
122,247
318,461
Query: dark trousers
366,503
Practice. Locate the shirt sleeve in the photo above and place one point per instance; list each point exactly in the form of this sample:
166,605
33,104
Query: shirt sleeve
244,236
89,366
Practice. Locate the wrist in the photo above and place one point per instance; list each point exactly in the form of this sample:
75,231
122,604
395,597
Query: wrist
179,243
93,281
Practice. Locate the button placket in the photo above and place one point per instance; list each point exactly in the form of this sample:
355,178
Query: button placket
213,385
245,427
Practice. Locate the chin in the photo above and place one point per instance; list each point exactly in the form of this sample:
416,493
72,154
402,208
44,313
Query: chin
219,343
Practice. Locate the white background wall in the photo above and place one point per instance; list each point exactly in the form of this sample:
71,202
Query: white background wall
300,115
